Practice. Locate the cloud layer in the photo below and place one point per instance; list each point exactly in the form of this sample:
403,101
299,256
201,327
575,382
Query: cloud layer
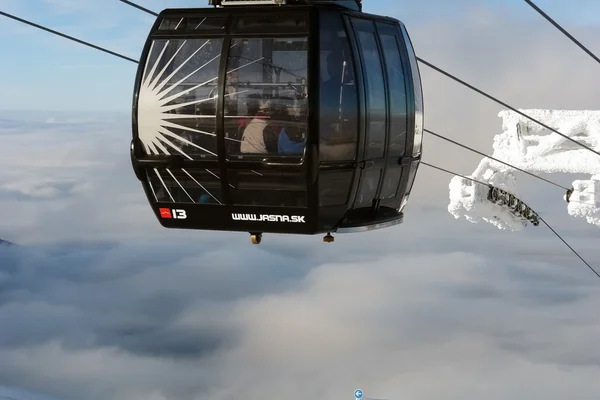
392,313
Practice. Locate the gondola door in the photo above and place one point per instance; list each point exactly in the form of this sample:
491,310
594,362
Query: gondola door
265,111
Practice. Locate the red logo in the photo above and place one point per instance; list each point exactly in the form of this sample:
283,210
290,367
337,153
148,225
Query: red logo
165,212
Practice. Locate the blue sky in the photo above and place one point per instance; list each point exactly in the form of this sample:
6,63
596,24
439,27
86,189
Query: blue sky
41,71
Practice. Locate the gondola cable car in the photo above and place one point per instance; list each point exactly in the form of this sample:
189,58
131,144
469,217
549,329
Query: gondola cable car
282,116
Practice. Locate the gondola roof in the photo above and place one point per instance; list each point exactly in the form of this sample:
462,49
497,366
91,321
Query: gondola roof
354,5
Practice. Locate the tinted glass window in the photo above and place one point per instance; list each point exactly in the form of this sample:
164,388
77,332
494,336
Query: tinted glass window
368,186
171,24
266,97
391,181
193,24
418,94
177,103
180,185
375,140
334,187
268,188
338,124
398,111
272,23
414,167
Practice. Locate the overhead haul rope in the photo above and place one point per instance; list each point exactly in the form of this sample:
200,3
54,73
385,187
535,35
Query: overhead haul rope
422,162
495,159
540,217
68,37
563,30
481,92
132,4
454,173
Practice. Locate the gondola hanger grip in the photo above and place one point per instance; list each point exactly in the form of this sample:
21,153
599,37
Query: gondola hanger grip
405,161
224,3
271,162
366,164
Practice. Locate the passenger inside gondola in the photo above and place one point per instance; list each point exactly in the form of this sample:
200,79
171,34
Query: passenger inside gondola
264,118
273,130
292,137
291,141
260,135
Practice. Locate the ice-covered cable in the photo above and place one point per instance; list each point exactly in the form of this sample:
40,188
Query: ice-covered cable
526,146
473,201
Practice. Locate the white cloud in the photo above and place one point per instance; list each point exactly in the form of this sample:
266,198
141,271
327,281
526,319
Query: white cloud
170,319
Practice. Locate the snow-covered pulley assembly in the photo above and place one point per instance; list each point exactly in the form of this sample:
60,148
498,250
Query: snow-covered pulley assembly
528,146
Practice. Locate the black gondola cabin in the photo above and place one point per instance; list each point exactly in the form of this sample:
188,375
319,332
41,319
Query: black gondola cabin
298,117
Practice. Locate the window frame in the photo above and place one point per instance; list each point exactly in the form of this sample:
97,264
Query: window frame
395,161
365,111
367,166
357,92
268,158
391,30
416,86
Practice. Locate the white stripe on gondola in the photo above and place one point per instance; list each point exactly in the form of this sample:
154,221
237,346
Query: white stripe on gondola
164,185
156,119
183,153
151,187
182,188
189,103
168,124
159,89
162,72
165,131
217,176
199,184
198,26
176,70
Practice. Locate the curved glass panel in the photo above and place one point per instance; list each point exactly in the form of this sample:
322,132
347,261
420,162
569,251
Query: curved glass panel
182,185
397,89
276,188
338,102
296,23
186,24
334,187
266,97
375,88
176,112
418,94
